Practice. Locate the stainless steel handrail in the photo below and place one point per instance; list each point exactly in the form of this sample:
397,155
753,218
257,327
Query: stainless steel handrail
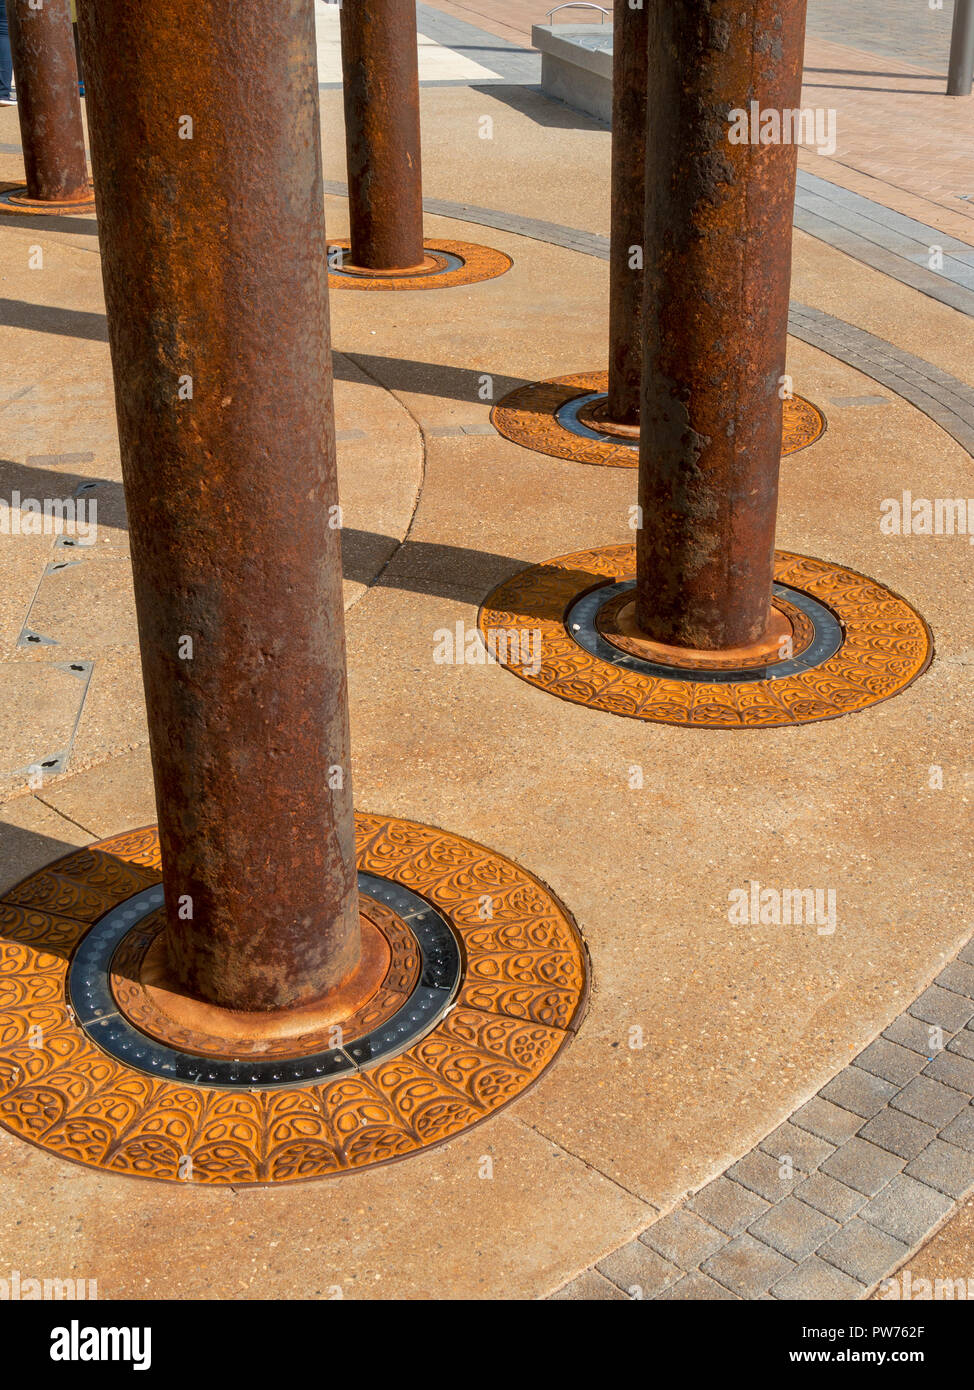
579,5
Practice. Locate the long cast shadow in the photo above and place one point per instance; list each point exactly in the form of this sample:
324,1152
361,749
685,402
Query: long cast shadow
896,91
50,222
530,101
450,571
368,557
426,378
393,373
860,72
42,484
45,318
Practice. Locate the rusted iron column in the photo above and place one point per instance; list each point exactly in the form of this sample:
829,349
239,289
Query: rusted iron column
207,159
46,74
629,68
380,68
718,265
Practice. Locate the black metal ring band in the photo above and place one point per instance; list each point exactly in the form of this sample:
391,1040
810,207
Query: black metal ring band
95,1009
581,618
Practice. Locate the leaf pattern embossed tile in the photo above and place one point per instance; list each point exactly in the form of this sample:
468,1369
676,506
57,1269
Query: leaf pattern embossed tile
520,999
543,416
882,646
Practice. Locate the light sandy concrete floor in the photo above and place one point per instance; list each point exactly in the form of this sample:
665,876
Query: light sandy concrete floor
436,62
949,1256
739,1025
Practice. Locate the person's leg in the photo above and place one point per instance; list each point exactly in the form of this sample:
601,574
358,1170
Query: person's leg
77,55
6,64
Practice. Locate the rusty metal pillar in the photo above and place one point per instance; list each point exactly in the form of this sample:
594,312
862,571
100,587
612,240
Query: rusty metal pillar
380,68
48,104
629,69
207,159
718,264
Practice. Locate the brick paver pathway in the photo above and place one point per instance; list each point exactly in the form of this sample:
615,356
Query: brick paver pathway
894,125
881,66
837,1197
905,29
512,19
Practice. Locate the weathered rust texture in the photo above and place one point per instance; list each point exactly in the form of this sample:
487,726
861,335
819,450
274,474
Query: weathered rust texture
629,68
380,68
513,1004
718,263
48,104
215,268
881,634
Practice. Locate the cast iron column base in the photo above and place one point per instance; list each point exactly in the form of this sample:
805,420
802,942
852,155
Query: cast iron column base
562,417
475,979
445,264
838,643
13,198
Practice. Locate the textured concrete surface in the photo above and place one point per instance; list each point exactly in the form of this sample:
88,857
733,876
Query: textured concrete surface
946,1260
805,1216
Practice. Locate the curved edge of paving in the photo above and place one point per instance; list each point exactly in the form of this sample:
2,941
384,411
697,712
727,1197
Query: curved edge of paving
836,1198
948,401
938,395
863,1174
381,470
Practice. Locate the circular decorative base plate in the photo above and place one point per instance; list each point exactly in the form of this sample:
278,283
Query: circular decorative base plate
856,643
615,619
518,1002
551,418
13,198
418,959
386,978
453,263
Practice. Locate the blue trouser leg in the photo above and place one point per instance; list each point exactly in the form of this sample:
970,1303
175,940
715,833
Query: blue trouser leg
6,66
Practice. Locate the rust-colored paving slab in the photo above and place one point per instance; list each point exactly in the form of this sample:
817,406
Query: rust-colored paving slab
448,264
544,416
519,1001
541,625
